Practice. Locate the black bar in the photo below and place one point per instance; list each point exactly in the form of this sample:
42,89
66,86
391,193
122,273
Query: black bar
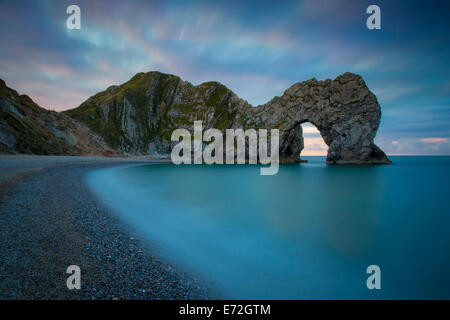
234,309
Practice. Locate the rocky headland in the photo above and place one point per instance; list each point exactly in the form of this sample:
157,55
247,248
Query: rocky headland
138,117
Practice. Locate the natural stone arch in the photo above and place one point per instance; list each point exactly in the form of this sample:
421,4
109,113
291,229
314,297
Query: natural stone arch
344,111
140,115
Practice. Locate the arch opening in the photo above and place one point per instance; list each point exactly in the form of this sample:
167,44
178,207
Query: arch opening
314,145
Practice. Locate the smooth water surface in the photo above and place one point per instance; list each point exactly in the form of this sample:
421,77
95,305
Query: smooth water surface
309,232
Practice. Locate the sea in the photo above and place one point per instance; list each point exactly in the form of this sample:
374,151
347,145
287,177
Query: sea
312,231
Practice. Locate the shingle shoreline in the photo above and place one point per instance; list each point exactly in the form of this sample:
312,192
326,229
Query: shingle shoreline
50,220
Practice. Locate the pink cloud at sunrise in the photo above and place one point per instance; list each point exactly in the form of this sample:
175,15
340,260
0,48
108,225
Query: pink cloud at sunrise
314,147
434,140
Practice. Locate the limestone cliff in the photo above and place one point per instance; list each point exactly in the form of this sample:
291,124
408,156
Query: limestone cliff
27,128
138,117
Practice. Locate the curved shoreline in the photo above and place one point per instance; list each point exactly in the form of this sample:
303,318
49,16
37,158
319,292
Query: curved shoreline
49,219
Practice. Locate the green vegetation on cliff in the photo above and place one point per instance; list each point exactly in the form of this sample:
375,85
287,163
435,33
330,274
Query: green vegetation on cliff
112,112
149,107
139,116
26,127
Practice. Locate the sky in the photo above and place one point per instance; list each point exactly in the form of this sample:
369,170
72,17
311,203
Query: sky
256,48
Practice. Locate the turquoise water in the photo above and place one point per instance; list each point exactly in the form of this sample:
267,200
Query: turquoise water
309,232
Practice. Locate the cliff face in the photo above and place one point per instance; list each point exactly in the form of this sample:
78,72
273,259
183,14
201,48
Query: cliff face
138,117
345,112
27,128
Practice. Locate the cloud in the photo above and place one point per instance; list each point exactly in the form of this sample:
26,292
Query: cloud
314,147
394,92
434,140
308,129
414,146
256,48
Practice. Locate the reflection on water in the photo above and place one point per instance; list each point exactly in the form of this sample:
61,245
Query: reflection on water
308,232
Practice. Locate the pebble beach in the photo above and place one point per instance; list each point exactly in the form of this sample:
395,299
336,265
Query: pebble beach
49,219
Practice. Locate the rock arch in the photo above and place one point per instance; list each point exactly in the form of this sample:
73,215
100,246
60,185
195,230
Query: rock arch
139,116
344,111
